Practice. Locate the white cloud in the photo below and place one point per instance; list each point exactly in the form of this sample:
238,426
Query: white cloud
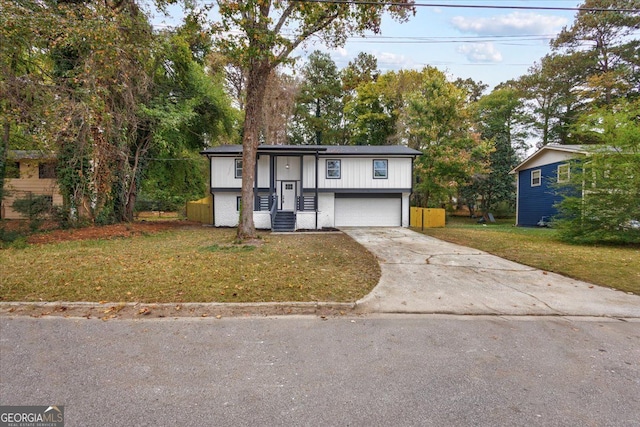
393,61
516,23
480,52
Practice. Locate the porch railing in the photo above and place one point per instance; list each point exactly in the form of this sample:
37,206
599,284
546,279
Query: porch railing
264,203
273,208
307,203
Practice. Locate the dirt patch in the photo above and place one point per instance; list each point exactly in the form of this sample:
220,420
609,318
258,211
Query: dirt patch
110,311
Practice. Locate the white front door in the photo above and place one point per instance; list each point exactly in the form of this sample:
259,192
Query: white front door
288,196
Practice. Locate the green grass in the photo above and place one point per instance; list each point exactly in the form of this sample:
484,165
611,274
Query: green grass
190,265
612,266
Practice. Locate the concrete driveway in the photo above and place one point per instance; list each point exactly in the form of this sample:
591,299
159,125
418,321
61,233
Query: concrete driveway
421,274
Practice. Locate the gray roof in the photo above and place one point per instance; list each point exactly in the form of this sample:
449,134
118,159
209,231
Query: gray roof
335,150
30,154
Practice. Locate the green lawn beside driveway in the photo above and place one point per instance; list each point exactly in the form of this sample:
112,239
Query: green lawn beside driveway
191,265
612,266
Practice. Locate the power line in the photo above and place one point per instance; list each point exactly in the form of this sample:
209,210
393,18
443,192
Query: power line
469,6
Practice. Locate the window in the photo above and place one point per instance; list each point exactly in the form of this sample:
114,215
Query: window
333,169
238,168
238,203
46,170
563,173
536,178
380,169
288,186
13,170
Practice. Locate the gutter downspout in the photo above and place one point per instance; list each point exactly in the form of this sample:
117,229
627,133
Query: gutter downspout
411,193
213,203
316,188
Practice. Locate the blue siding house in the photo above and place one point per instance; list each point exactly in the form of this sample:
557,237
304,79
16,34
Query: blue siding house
536,178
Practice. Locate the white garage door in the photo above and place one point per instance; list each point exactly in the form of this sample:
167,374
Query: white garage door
368,212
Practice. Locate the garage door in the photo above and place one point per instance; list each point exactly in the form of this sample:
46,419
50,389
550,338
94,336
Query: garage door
368,211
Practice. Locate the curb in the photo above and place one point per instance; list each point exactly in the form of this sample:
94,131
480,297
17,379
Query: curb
113,310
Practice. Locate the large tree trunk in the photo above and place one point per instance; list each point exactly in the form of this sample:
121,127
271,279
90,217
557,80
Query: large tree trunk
256,85
4,148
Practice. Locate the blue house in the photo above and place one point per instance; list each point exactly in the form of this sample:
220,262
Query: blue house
536,178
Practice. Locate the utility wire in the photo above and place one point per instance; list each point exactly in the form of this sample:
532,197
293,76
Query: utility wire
469,6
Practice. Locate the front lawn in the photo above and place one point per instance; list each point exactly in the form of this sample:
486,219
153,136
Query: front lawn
190,265
612,266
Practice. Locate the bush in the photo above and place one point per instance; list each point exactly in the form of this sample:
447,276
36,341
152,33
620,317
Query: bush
34,207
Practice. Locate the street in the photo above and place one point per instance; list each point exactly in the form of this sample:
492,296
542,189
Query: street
426,370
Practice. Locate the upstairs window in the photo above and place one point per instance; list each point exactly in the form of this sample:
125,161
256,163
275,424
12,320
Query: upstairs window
13,170
380,169
536,178
333,169
564,173
238,169
47,171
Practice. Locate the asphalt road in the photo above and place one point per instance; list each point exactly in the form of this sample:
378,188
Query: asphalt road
341,371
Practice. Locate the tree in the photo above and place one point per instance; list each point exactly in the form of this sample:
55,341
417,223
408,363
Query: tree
473,89
550,93
605,37
280,98
25,98
497,117
435,121
374,114
370,115
361,70
189,110
603,194
261,34
94,83
318,108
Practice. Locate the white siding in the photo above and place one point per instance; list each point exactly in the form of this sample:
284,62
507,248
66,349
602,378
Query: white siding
306,220
225,212
309,172
357,173
550,156
405,209
326,210
223,173
263,172
290,173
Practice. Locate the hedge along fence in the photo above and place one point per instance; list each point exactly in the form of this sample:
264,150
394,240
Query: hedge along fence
427,218
201,210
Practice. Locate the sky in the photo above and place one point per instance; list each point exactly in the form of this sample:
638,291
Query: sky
489,44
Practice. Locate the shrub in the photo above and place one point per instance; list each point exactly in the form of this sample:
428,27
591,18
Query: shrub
34,207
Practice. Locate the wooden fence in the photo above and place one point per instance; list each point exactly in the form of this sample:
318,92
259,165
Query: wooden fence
427,218
201,210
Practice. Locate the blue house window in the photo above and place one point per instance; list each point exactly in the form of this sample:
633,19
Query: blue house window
564,173
380,169
333,169
238,168
536,178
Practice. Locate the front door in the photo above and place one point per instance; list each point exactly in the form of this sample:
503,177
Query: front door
288,196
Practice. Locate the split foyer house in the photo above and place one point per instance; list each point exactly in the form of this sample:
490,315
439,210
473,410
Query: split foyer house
314,187
29,173
537,178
